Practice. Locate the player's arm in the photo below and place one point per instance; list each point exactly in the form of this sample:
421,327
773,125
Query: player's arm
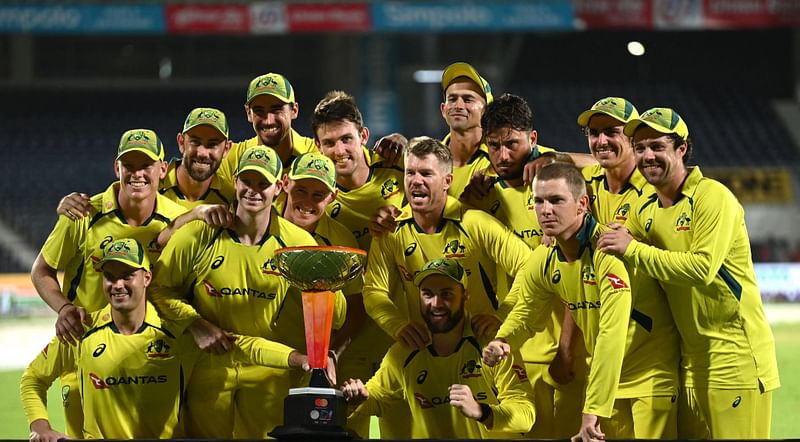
385,387
215,215
268,353
515,412
380,276
49,364
562,366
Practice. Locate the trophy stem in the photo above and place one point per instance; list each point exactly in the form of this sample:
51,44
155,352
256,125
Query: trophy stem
318,319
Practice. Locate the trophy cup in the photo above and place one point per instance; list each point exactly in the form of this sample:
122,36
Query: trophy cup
318,410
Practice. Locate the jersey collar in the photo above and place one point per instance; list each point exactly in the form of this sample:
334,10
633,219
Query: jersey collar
170,182
453,211
585,236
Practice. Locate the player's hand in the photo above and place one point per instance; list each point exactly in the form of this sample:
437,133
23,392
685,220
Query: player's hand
533,166
614,242
478,188
69,325
330,369
392,147
74,206
462,399
562,368
41,432
354,391
211,338
383,220
495,351
413,335
590,430
485,325
215,215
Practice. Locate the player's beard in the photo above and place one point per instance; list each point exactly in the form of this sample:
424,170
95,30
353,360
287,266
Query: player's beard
200,175
453,319
513,174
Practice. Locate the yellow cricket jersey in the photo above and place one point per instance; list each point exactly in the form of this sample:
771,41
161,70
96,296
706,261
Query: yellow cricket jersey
75,246
219,191
699,250
422,379
596,288
650,367
227,170
206,272
479,162
132,386
355,207
477,240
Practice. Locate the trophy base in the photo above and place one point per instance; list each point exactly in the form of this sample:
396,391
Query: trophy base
314,413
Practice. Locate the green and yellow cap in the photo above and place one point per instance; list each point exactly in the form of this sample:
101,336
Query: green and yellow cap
615,107
315,166
461,69
141,140
207,116
442,266
127,251
271,84
263,160
661,119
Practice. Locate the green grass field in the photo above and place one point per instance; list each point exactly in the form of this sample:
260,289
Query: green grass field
784,425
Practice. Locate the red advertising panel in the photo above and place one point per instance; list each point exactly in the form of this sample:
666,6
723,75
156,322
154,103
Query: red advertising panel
593,14
208,19
305,17
751,13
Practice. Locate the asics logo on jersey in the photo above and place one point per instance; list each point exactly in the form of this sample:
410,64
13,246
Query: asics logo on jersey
335,209
158,349
421,376
454,249
556,276
471,369
410,249
495,207
99,350
622,212
360,233
583,305
217,262
737,401
616,281
106,241
587,275
648,224
683,223
389,188
110,381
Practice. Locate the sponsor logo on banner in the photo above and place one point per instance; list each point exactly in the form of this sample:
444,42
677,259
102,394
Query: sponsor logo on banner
594,14
329,17
233,19
268,18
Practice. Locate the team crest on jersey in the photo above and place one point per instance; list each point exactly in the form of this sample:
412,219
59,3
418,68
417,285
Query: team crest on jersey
587,275
616,281
389,188
529,203
153,246
406,274
65,395
684,223
522,374
158,349
471,369
454,249
270,267
622,212
423,401
211,290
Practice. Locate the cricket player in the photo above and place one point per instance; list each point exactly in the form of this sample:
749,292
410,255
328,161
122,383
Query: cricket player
132,365
219,281
645,406
692,238
450,393
129,208
595,287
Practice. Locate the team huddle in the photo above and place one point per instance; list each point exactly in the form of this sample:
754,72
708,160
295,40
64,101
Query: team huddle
511,291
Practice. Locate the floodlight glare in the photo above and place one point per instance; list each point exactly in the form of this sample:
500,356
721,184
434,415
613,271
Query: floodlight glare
428,76
635,48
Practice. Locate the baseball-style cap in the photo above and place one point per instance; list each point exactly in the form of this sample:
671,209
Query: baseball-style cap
263,160
461,69
127,251
315,166
615,107
141,140
207,116
442,266
662,119
271,84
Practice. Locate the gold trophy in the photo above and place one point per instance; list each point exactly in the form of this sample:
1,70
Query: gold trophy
317,410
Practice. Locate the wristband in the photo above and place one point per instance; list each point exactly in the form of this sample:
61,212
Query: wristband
62,307
486,411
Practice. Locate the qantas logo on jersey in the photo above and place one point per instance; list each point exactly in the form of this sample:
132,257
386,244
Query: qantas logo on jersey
406,274
622,212
158,349
583,305
270,267
529,233
454,249
389,188
587,275
616,281
424,402
684,223
101,384
522,374
235,291
471,369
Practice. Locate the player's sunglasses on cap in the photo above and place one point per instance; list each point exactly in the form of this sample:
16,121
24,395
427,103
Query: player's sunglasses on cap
315,166
461,69
141,140
271,84
207,116
615,107
661,119
442,266
127,251
263,160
